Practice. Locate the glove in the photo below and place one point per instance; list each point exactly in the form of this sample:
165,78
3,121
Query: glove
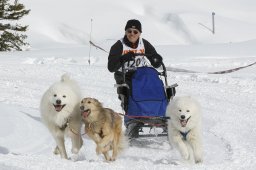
127,57
156,60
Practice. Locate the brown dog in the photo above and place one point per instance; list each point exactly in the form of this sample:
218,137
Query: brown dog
104,126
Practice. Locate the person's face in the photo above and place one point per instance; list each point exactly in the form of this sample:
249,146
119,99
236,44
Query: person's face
132,34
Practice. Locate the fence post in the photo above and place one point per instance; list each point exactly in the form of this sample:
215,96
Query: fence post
213,23
89,60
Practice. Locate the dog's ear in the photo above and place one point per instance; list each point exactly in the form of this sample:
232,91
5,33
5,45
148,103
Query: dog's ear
82,101
65,77
97,103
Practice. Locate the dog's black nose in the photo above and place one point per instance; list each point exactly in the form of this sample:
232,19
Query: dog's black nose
58,101
182,116
81,107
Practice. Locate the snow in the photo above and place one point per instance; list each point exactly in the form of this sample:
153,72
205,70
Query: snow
59,34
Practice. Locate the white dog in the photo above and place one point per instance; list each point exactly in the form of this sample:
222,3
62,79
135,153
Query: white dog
184,127
61,114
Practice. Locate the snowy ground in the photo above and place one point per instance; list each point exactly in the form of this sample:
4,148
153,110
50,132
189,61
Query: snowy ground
228,100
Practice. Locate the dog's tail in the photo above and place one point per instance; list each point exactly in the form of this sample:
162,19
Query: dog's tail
65,77
123,142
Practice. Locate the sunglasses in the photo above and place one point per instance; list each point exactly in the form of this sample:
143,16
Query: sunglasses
134,31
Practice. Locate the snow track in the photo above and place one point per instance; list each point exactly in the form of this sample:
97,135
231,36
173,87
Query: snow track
228,104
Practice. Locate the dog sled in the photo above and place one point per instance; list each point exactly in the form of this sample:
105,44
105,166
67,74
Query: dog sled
144,100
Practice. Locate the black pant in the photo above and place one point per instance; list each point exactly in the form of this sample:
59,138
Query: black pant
123,91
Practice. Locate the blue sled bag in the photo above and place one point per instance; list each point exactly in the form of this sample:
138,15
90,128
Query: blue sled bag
148,96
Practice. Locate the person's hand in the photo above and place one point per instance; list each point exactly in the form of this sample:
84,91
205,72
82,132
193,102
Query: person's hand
127,57
156,60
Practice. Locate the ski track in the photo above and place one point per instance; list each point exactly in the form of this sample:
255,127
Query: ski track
221,147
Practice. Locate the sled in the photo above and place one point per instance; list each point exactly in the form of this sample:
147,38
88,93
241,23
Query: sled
148,96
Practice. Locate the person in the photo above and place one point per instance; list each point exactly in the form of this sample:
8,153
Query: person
125,51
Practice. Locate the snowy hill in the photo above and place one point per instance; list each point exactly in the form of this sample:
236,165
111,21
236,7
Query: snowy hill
59,33
165,22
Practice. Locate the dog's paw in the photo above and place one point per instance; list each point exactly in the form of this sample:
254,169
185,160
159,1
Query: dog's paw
198,156
198,159
185,154
63,156
74,150
112,159
98,150
56,151
74,157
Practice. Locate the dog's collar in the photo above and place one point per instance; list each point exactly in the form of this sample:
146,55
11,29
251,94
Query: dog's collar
65,125
184,135
91,125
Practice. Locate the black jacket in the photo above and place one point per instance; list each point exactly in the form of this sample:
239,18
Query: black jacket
115,53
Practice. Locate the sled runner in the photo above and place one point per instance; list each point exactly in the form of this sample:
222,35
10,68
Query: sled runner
144,99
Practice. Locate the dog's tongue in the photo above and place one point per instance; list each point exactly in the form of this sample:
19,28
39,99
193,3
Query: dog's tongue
183,123
85,114
58,108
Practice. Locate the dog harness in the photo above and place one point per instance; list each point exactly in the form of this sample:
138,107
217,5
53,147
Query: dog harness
184,135
65,125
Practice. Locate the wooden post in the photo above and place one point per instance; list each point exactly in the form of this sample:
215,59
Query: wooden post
213,23
89,61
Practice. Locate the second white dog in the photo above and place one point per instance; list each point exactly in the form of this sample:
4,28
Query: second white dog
184,127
